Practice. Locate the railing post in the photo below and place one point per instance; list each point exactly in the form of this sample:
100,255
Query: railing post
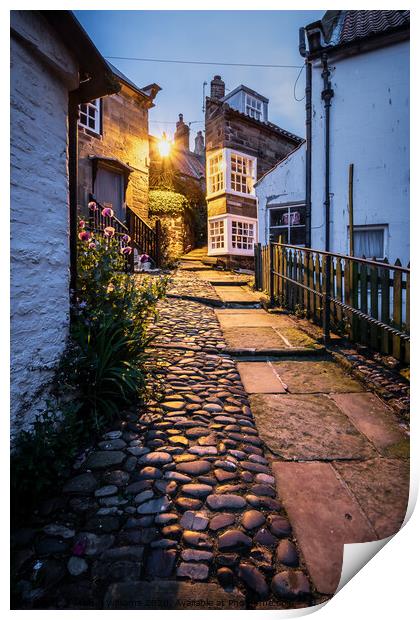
157,241
271,291
326,294
257,266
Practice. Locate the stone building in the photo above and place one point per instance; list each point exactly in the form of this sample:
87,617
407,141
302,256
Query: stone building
114,148
182,171
51,56
241,146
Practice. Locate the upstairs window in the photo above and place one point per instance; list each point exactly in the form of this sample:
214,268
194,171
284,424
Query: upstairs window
241,174
90,115
230,171
253,107
216,173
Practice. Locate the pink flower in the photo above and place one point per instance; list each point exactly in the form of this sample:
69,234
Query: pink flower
126,238
92,205
84,235
109,231
144,258
82,223
92,245
126,250
107,212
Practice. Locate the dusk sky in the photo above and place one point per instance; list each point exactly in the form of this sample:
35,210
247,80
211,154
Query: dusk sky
256,37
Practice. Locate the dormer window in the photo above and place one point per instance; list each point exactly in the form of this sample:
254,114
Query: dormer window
253,107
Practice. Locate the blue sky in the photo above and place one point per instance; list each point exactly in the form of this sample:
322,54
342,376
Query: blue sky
257,37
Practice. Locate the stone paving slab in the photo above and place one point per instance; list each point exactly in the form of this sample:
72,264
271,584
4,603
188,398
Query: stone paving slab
251,318
259,329
381,487
315,376
260,378
375,420
172,595
324,516
255,339
236,294
307,427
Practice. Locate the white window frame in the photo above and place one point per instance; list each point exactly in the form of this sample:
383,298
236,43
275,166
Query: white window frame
228,248
210,174
372,227
95,107
212,249
228,156
254,107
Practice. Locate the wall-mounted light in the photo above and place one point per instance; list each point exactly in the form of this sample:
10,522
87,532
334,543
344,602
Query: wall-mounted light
164,145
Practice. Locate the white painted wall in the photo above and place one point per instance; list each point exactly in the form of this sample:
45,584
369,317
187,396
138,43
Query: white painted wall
39,213
282,185
370,128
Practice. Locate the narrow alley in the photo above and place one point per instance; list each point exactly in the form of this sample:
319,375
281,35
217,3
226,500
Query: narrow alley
224,494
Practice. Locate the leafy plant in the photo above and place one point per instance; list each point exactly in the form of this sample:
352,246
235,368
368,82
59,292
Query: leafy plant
102,370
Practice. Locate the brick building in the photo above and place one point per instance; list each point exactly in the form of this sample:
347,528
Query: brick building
114,148
241,146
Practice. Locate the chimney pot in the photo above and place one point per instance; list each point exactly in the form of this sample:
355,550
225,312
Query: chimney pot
217,88
182,134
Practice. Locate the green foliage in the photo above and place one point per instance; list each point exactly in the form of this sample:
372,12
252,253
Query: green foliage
101,372
164,202
43,456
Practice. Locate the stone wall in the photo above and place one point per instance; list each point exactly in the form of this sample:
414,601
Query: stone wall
124,137
41,76
178,233
228,128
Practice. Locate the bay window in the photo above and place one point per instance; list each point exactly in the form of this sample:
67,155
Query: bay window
231,172
232,234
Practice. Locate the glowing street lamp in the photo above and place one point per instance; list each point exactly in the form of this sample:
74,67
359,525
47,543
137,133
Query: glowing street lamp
164,145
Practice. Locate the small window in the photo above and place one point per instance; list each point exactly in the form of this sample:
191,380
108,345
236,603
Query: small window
289,224
90,115
216,175
217,238
242,174
243,235
253,107
369,241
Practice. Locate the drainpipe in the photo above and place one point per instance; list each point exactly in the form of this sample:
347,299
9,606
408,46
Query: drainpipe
73,117
326,95
308,105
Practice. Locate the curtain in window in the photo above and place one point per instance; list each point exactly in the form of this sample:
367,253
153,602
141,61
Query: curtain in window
369,243
109,190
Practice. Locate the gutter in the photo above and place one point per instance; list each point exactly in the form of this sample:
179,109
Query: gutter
308,106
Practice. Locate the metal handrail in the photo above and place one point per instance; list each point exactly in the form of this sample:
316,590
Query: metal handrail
352,258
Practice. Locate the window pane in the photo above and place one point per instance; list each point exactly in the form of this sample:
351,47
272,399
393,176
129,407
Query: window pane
369,243
297,235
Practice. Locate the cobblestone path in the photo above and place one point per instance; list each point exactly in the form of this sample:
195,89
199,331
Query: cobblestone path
177,509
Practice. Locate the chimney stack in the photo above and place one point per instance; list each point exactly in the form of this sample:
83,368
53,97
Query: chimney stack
217,88
182,135
199,144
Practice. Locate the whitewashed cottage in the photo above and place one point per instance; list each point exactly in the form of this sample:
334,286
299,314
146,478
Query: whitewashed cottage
357,72
54,68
